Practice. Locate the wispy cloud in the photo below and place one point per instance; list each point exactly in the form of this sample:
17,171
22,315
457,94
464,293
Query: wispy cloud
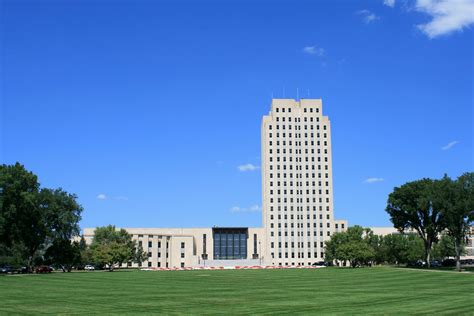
367,16
450,145
314,50
251,209
447,16
102,197
389,3
373,180
248,167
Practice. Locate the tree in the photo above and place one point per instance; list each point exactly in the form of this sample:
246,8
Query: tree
18,191
31,219
445,247
111,246
456,201
350,246
402,248
62,252
411,206
376,243
140,255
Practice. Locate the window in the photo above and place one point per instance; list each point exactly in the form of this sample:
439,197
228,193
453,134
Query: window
149,264
182,245
182,264
182,255
150,244
149,254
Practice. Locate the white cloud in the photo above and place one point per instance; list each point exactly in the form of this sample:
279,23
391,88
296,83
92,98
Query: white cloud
447,16
389,3
248,167
373,180
314,50
251,209
450,145
102,197
367,16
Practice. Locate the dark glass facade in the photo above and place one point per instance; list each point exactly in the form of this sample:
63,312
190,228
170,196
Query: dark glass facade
230,243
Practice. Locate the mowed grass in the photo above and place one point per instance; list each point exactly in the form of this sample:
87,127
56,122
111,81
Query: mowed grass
302,291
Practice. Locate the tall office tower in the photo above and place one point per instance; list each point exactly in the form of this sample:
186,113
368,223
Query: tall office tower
297,182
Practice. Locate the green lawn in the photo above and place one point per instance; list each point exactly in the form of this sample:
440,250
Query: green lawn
303,291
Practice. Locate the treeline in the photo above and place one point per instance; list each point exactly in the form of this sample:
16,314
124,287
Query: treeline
39,226
439,213
361,247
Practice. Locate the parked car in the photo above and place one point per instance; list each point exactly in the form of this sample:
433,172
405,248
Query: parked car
6,269
89,268
435,264
43,269
22,270
449,263
320,264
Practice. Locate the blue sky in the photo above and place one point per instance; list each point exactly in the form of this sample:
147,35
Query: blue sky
146,109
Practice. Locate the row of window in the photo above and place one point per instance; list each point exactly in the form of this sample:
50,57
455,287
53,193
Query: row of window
300,225
297,192
301,217
316,110
299,183
298,208
150,244
300,234
300,255
290,135
299,200
297,159
296,168
297,127
299,176
293,263
297,151
298,244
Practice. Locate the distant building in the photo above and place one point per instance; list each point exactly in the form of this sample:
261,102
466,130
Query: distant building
469,247
297,211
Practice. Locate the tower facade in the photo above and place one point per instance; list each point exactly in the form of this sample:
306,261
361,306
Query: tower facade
297,187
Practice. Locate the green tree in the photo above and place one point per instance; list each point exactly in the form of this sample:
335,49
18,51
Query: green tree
62,252
350,246
18,192
377,244
402,248
456,201
31,219
112,247
415,248
411,206
446,247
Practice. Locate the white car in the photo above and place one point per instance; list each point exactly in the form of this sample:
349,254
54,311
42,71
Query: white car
89,268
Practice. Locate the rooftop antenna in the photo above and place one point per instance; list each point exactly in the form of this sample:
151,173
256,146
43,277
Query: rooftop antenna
297,94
